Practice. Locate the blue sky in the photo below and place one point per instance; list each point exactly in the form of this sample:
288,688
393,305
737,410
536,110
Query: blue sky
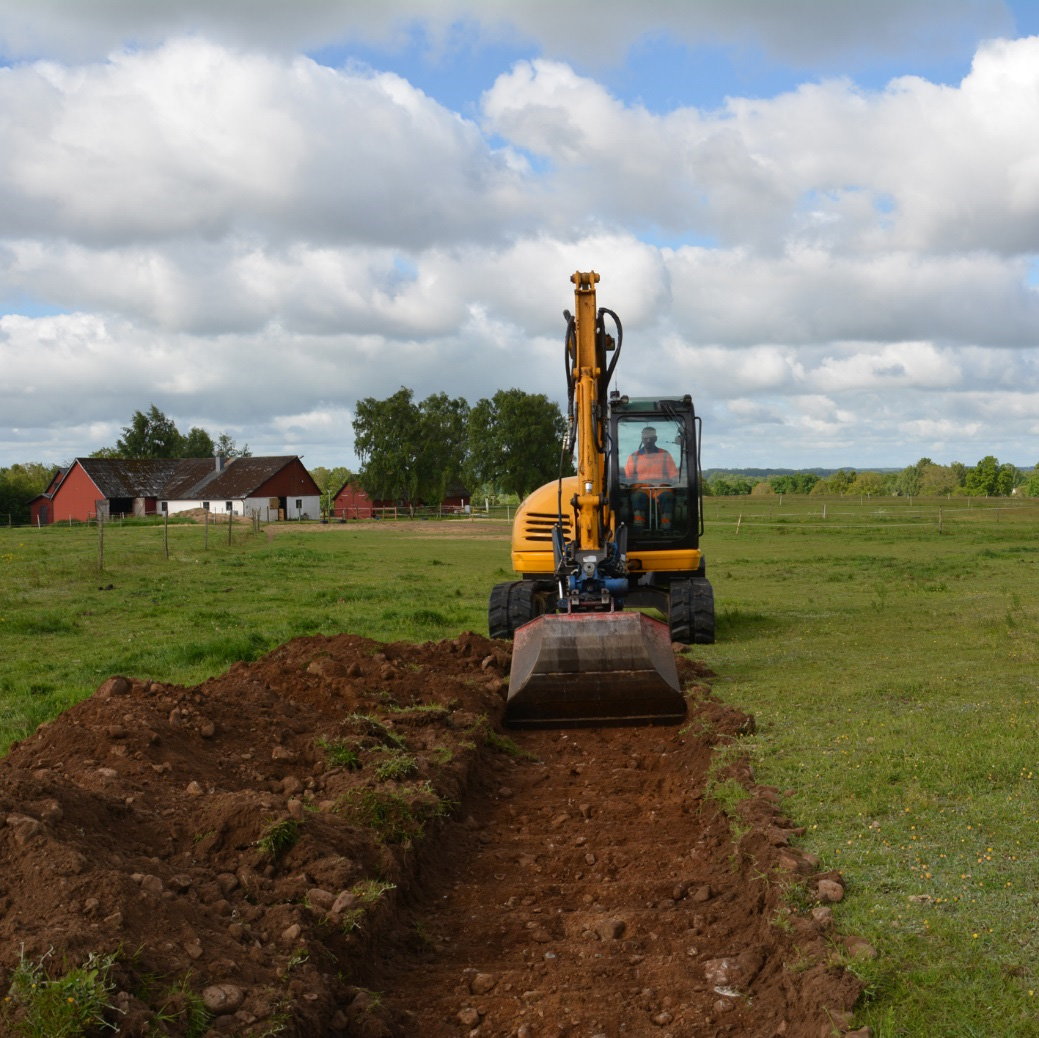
821,219
662,73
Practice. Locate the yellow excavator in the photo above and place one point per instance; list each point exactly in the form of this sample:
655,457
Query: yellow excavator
624,532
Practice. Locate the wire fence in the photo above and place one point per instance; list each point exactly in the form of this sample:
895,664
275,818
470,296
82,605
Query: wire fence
744,511
845,513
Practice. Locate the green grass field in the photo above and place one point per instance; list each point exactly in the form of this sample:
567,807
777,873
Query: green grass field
887,649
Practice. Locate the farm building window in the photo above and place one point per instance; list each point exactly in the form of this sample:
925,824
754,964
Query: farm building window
299,504
228,506
205,505
165,506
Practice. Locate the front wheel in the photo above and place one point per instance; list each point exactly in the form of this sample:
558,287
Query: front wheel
511,606
691,612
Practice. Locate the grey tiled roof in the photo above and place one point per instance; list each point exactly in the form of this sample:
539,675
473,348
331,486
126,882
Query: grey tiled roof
182,479
130,477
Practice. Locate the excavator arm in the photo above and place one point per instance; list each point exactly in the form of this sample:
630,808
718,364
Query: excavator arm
586,660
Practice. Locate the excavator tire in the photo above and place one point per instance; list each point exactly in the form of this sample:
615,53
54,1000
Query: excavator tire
691,612
512,605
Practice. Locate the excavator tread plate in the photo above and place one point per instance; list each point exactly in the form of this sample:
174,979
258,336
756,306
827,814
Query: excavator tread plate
593,669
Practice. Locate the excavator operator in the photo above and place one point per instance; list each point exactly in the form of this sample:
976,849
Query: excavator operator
652,473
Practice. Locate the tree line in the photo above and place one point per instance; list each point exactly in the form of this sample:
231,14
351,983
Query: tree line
152,434
988,478
416,450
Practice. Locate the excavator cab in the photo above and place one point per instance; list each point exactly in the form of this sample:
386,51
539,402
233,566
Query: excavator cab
653,472
592,549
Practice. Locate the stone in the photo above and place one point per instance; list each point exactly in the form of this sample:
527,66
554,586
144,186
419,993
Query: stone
860,948
345,901
829,890
612,929
482,983
468,1017
716,971
221,999
320,900
114,686
151,884
226,881
25,828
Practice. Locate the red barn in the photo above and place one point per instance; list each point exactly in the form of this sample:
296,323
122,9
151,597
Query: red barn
271,487
351,502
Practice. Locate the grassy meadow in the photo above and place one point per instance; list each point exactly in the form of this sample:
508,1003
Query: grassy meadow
887,648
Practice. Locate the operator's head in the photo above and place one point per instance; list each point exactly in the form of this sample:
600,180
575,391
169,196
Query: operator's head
649,436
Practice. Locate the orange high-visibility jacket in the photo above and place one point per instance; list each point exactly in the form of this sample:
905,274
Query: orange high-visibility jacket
655,466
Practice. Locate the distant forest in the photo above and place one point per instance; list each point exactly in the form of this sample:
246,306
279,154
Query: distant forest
988,478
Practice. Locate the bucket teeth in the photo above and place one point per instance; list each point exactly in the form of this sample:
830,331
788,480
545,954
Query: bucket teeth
593,669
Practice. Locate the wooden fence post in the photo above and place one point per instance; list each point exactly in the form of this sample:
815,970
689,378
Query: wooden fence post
939,520
739,522
230,516
205,539
100,544
166,532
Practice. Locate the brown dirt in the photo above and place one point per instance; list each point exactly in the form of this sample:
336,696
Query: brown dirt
566,883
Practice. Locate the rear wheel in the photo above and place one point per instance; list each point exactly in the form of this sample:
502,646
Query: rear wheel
691,612
511,606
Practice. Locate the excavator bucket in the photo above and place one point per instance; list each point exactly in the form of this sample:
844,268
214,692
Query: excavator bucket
593,669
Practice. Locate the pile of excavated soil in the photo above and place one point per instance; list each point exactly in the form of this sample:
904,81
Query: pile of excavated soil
336,840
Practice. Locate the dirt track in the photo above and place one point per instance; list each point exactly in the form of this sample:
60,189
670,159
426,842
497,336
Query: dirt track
585,887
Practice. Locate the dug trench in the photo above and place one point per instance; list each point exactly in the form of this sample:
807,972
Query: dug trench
339,839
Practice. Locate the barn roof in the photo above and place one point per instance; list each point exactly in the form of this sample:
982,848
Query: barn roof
181,479
238,478
130,477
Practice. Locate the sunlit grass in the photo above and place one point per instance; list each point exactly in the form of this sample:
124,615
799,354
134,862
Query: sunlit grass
65,627
894,682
